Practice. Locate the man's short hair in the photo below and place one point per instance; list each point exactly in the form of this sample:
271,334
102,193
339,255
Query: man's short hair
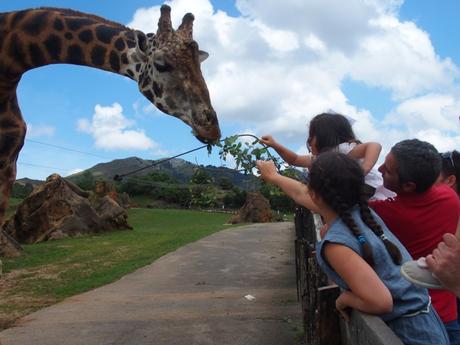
418,162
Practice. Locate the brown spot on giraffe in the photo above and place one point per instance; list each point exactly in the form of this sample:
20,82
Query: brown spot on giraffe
166,66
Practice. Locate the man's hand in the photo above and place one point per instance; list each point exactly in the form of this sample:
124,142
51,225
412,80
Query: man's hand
444,262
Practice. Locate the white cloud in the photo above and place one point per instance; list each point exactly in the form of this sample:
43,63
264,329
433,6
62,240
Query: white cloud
34,131
438,111
400,57
278,64
74,171
109,128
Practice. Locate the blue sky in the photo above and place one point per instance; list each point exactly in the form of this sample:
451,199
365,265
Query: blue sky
391,65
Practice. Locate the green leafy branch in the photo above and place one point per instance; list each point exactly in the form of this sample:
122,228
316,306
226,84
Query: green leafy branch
245,153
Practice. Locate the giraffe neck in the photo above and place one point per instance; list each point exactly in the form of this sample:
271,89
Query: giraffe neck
39,37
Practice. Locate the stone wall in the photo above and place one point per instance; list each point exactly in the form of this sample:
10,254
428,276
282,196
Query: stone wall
364,329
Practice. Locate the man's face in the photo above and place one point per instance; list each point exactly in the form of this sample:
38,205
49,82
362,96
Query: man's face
389,171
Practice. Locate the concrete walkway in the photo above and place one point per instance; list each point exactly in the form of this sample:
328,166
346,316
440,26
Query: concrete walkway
194,296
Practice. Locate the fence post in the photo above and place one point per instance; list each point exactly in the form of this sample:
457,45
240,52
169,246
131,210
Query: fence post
320,318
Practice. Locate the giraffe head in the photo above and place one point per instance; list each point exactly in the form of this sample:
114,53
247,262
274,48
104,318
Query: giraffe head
170,75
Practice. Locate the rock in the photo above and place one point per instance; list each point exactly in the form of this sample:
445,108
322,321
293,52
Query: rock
58,209
256,209
9,247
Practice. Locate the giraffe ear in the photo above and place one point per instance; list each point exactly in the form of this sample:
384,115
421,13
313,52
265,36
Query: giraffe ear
202,55
141,47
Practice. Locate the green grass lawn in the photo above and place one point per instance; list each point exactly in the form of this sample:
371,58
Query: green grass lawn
50,271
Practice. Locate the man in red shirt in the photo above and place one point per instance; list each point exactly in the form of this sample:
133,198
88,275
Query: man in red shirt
421,213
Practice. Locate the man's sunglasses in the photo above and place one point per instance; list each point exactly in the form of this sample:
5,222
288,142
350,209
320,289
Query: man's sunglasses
449,155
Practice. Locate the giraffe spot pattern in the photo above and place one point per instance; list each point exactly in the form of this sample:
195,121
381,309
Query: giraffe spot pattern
105,33
3,107
8,122
170,102
138,67
114,61
35,25
130,73
149,95
2,19
7,144
16,50
98,55
14,107
124,59
120,44
145,81
130,40
86,36
75,24
160,106
36,55
75,55
53,45
8,73
157,89
68,35
17,17
58,24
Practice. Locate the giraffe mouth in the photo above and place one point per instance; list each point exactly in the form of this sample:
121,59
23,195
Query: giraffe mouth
207,131
207,135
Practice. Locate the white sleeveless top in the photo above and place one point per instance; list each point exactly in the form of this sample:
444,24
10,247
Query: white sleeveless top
373,178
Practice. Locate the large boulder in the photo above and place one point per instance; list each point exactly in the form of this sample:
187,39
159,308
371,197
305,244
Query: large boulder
9,247
58,208
256,209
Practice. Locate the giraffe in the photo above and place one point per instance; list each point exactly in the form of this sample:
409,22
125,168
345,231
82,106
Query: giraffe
165,64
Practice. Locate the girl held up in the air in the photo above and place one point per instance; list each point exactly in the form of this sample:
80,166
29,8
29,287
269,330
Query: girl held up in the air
334,132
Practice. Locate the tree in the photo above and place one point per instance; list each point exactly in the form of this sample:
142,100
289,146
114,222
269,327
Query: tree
86,180
21,190
203,195
225,183
201,176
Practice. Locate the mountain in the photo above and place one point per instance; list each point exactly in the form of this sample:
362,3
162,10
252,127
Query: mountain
25,181
177,168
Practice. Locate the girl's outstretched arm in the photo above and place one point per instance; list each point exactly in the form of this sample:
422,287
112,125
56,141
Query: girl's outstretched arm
293,188
367,292
288,156
369,152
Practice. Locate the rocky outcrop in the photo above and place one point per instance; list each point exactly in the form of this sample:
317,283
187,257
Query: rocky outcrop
256,209
58,208
9,247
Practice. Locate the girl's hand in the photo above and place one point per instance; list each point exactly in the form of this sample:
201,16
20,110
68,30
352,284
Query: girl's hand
267,140
342,307
267,170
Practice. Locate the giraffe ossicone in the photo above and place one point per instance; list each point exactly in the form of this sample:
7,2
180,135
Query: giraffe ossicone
165,64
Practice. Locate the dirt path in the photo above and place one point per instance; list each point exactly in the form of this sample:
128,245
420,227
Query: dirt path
195,295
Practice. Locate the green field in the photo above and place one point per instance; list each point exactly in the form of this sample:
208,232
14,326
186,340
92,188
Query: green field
50,271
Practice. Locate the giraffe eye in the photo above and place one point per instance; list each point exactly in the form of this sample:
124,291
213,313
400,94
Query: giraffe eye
162,66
